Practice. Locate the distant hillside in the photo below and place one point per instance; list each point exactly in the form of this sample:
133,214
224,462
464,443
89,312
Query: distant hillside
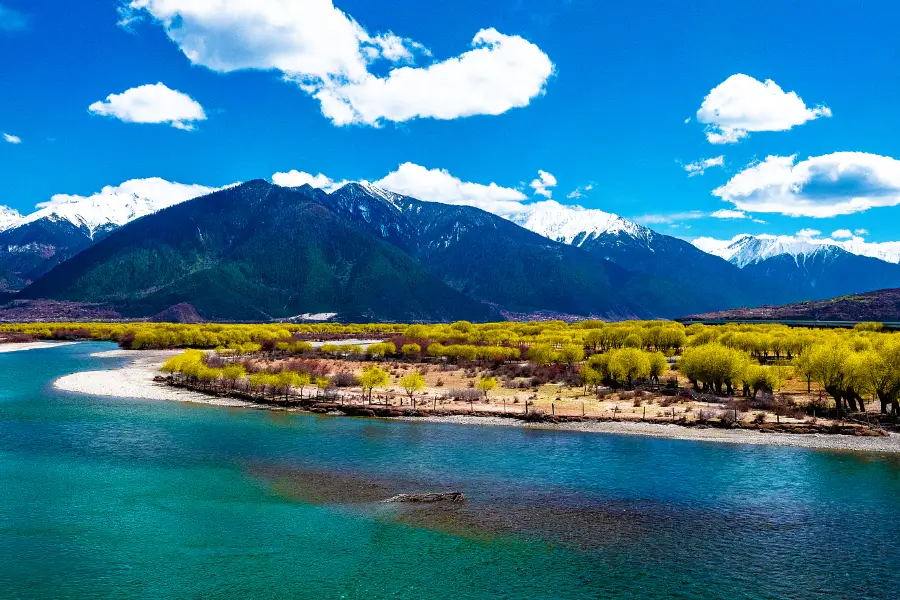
254,252
259,251
881,305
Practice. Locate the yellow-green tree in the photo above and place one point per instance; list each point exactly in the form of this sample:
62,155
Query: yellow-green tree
371,378
412,383
409,350
486,384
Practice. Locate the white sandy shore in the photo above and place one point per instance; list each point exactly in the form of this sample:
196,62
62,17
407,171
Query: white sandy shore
19,346
136,381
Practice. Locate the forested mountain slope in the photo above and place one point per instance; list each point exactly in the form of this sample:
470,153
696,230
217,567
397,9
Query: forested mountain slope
254,252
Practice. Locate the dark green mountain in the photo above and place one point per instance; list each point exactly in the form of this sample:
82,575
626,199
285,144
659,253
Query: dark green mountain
255,252
258,251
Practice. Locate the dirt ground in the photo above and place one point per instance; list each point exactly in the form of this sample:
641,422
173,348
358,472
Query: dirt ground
560,399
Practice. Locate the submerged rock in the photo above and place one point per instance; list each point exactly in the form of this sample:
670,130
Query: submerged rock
455,497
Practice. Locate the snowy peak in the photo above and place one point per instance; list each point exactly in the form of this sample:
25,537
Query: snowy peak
365,191
746,250
575,225
115,206
9,218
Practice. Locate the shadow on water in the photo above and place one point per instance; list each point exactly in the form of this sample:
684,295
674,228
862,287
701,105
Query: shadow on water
569,518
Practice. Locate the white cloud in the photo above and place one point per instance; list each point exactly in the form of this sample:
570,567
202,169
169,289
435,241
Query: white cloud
294,178
328,54
728,214
699,167
579,192
12,139
438,185
808,233
152,104
841,234
543,183
500,72
821,186
741,105
861,232
662,219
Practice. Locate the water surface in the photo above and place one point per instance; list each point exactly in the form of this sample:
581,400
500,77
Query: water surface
120,498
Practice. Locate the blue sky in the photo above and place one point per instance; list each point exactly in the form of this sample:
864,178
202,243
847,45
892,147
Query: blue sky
611,115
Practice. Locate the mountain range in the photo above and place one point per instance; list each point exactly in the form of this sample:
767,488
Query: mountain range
257,251
807,268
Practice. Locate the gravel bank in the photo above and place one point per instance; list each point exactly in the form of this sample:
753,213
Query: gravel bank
889,444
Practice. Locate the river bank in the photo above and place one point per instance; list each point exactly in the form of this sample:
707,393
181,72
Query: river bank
136,380
22,346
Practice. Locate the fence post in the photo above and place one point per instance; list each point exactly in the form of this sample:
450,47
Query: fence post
553,408
644,418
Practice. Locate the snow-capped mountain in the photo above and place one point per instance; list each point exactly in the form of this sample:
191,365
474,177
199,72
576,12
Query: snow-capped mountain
575,225
33,244
743,250
748,249
9,217
804,266
114,206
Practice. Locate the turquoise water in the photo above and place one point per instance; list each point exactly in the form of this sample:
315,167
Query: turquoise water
118,498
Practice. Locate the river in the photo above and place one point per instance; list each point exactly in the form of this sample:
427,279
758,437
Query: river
123,498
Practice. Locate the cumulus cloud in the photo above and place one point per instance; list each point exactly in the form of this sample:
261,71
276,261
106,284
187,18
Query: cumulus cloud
699,167
741,105
861,232
155,103
11,139
841,234
499,73
438,185
543,184
295,178
328,54
841,183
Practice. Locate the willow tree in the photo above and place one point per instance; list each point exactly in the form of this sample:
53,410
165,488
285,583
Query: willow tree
412,383
371,378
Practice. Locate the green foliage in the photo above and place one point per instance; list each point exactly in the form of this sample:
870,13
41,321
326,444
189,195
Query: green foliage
486,384
411,350
412,383
715,366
